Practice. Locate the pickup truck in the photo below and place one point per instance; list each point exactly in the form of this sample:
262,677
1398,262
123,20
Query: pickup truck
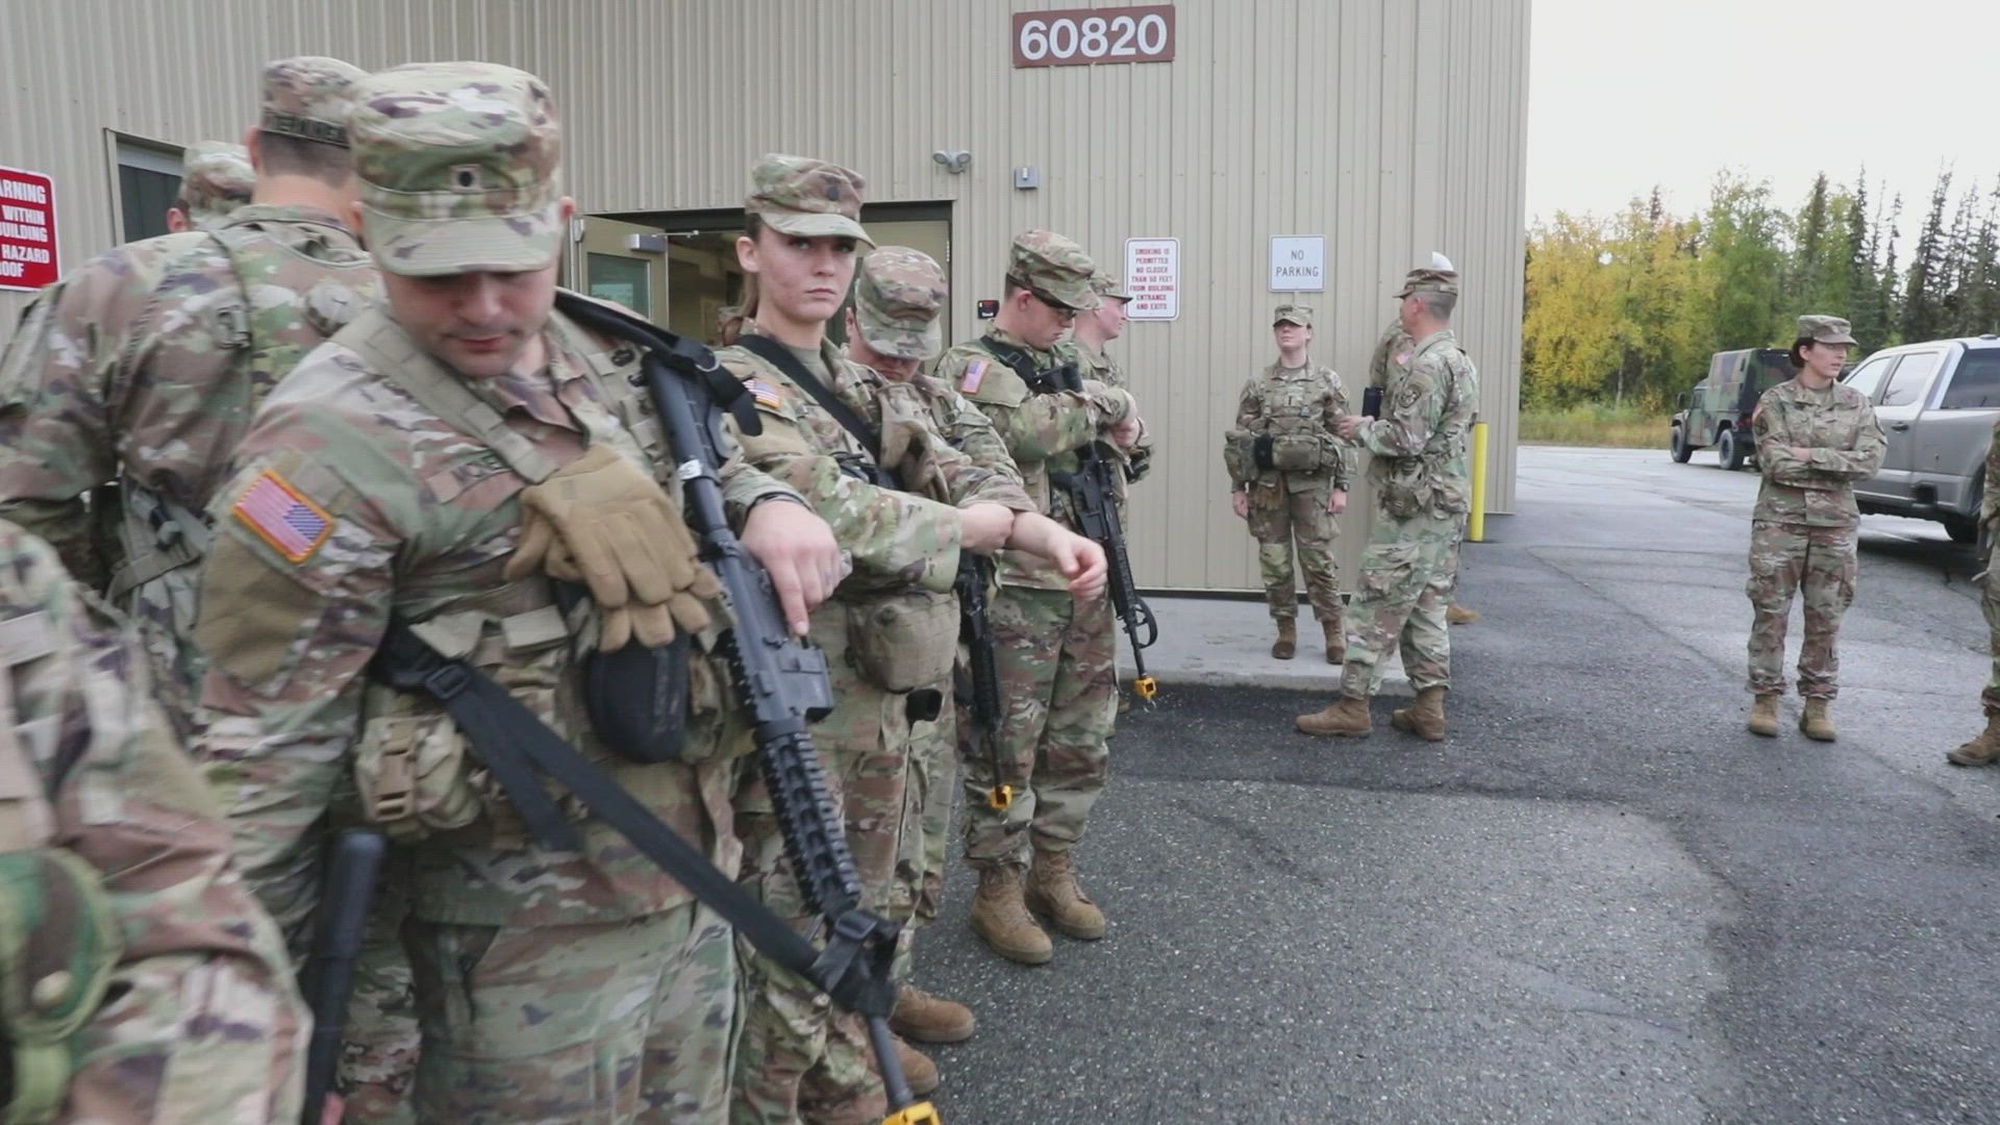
1717,411
1937,402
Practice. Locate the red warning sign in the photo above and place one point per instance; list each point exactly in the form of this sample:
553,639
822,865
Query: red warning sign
27,230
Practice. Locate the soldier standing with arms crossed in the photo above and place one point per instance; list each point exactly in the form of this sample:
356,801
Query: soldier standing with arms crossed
1291,477
436,464
1056,652
1422,490
1815,438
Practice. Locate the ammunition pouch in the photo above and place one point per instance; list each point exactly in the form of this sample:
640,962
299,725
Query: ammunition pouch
636,696
1297,453
1238,456
1261,453
1407,491
59,946
905,641
416,775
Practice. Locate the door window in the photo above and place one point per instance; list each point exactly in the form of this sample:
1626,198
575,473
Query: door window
628,281
1976,383
149,177
1868,377
1910,379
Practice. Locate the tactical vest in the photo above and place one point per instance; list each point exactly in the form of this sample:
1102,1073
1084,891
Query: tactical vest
413,776
157,535
58,939
1289,434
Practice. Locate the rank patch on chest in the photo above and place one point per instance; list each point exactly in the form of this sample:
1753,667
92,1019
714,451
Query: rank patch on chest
281,516
975,374
765,394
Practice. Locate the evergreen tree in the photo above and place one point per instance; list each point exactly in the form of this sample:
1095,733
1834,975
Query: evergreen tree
1924,310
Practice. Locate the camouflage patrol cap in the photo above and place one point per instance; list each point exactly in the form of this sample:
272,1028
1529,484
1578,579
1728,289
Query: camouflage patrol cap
807,197
460,166
308,96
1300,315
899,293
1437,277
1053,267
1826,330
216,178
1106,284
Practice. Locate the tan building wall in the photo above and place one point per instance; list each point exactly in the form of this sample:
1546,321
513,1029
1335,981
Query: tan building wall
1391,127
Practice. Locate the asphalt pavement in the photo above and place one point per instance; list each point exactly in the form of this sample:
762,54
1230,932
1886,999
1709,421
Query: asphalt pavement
1600,899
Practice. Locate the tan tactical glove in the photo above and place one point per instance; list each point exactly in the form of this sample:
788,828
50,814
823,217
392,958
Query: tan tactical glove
652,622
620,535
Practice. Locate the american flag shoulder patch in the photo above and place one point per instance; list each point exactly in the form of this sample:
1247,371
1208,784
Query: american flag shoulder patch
975,374
765,394
282,516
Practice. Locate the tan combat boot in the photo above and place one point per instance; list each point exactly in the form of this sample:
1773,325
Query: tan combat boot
1424,718
1288,638
1764,716
1054,892
1814,720
1348,717
1336,641
1455,614
999,916
1983,750
929,1019
918,1069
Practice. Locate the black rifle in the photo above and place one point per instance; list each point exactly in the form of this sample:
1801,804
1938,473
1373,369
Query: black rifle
784,683
1093,497
977,686
344,906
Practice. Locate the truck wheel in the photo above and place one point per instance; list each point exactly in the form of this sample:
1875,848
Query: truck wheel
1678,446
1730,451
1961,530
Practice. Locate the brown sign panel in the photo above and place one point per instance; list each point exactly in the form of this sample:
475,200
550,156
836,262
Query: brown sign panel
1085,36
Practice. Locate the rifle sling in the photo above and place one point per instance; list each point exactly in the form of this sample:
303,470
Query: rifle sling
781,357
514,743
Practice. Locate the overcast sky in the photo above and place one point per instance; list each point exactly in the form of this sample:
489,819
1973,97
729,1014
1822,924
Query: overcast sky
1624,95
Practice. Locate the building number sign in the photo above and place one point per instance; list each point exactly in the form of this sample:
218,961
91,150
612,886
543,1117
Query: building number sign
1082,36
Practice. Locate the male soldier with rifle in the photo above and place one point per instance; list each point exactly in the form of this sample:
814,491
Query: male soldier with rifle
423,480
1057,653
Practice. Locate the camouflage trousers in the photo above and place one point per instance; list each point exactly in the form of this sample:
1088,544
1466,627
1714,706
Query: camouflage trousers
797,1055
602,1022
381,1043
1058,687
1820,564
1407,573
1989,604
930,788
1278,518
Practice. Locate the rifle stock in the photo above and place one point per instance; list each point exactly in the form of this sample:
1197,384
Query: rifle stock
354,865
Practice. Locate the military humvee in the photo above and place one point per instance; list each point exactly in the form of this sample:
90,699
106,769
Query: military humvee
1717,411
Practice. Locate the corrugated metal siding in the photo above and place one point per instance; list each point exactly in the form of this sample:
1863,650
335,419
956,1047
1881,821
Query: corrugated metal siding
1392,127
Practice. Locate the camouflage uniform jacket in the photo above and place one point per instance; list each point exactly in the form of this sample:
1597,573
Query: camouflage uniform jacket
898,539
145,366
1420,442
139,367
1989,496
1392,353
970,432
1297,400
1837,426
393,509
204,1023
1042,432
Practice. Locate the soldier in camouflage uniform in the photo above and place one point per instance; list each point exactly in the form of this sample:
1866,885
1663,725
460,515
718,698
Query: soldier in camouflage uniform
1056,652
891,631
1421,486
1290,476
1984,748
216,179
1392,353
140,981
144,368
426,464
892,329
1815,438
